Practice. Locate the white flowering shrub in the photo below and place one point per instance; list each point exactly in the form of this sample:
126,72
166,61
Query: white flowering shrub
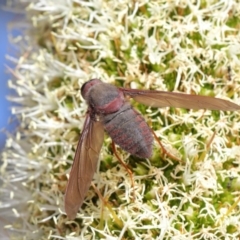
186,46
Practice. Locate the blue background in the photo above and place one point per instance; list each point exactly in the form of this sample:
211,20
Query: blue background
5,47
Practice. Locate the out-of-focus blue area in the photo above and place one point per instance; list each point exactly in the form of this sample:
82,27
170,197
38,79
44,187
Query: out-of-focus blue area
5,47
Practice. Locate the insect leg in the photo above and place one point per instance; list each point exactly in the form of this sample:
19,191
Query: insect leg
125,166
164,151
109,206
202,156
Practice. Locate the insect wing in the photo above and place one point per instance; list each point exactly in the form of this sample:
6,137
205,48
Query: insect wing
84,165
180,100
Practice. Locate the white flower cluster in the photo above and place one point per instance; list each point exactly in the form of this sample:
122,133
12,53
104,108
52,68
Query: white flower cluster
186,46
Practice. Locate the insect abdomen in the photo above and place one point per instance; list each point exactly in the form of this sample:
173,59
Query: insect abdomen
128,129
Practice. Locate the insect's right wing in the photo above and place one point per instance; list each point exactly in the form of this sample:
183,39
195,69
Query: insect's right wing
84,165
180,100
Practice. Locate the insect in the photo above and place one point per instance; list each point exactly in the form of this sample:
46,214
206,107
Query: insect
109,111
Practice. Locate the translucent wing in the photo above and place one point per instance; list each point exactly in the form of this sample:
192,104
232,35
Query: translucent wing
179,100
84,165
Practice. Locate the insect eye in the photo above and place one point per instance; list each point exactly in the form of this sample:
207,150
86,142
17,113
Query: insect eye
87,86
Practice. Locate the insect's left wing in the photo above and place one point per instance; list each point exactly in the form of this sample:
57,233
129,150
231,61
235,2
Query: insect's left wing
84,165
172,99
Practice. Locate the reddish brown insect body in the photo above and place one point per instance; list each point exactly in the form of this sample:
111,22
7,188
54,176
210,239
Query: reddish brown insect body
124,125
108,110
